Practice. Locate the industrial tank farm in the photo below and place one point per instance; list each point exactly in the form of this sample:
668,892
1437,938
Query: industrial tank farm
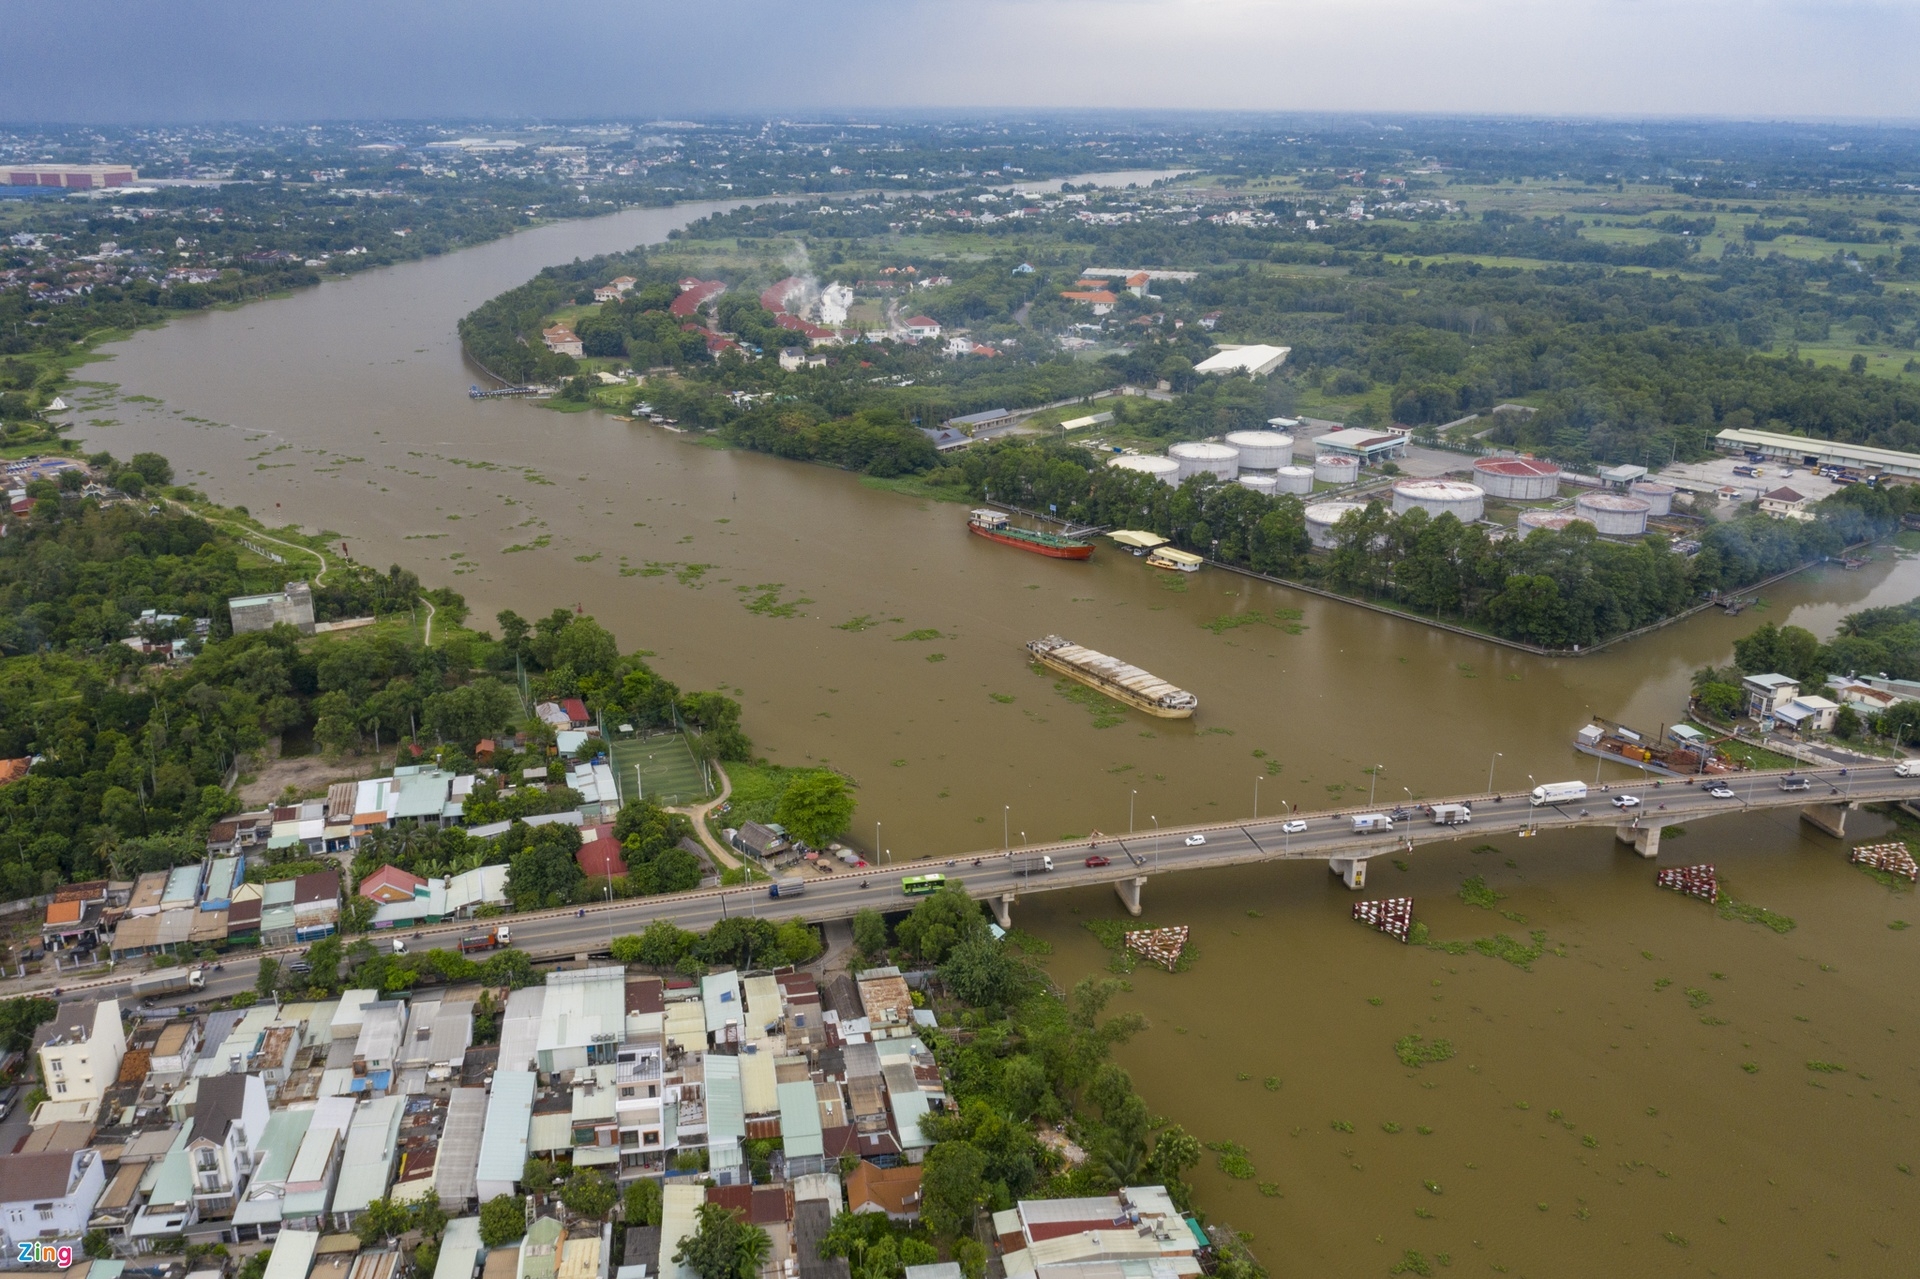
1262,450
1265,485
1322,516
1164,469
1518,479
1205,458
1657,496
1294,479
1613,514
1465,502
1554,520
1336,468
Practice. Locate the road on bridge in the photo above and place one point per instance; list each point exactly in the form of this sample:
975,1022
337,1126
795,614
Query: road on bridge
1001,877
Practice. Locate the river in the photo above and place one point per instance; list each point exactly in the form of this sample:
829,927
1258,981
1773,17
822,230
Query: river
867,630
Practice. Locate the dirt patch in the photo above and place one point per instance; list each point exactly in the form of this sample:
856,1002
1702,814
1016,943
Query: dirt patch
309,774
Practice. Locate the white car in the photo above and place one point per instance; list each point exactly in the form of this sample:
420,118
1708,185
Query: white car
1626,801
1194,841
1907,768
1293,827
1721,792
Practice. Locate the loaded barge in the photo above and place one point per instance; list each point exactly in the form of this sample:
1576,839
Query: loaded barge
995,527
1109,675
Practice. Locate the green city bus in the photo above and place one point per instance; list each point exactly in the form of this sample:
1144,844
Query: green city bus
921,885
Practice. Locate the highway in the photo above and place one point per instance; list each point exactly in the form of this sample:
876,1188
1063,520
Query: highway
1001,878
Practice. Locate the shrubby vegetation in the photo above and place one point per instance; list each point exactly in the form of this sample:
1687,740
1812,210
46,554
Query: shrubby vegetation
1874,642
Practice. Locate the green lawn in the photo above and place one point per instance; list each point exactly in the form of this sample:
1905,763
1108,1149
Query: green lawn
668,770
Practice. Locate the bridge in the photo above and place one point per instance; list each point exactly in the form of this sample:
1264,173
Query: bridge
1000,878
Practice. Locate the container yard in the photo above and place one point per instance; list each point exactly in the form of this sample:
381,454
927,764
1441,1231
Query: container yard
1262,450
1465,502
1294,479
1130,685
1322,516
1517,479
1203,457
1613,514
1164,469
1335,468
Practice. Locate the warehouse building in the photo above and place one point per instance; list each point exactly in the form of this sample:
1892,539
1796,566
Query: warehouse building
1805,452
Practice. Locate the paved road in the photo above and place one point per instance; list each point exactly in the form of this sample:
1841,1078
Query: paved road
1135,858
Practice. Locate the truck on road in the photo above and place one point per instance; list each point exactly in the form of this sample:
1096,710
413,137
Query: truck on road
488,940
793,887
1365,822
1451,814
1559,793
1036,865
170,981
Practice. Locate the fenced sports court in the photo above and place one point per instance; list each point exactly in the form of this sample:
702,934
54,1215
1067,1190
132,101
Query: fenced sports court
668,774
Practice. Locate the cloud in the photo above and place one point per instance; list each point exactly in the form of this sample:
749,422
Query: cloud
135,60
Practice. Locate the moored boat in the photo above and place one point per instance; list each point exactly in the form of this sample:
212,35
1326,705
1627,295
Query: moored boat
1130,685
995,527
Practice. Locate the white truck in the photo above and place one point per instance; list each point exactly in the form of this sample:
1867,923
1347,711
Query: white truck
1451,814
169,982
1365,822
1907,768
1559,793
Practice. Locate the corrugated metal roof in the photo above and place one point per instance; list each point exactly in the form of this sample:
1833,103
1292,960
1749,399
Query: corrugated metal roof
800,1121
679,1218
458,1161
520,1029
758,1080
503,1147
367,1165
292,1255
726,1107
583,1006
459,1249
720,994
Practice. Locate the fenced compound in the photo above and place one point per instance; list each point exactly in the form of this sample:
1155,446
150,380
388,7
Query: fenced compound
668,775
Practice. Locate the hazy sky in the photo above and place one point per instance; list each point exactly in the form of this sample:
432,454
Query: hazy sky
151,60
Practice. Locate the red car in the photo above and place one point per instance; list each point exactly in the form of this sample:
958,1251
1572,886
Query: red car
1097,860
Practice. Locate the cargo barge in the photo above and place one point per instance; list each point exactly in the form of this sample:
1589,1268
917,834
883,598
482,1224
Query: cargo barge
1116,679
995,527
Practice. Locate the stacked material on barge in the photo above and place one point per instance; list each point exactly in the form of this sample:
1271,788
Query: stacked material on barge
1129,684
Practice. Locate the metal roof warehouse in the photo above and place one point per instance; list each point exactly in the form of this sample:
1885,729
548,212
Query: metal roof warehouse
1795,448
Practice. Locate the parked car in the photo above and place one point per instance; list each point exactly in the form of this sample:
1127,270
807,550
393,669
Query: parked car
1626,801
1293,827
1194,841
1721,792
1096,860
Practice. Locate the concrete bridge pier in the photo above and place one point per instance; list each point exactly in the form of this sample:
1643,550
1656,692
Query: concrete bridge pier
1003,909
1830,818
1129,893
1351,870
1645,839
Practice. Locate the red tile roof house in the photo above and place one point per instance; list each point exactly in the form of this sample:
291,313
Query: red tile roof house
562,340
599,854
695,294
390,884
576,711
923,328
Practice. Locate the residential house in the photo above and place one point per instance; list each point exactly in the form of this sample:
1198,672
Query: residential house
1785,504
49,1195
366,1168
391,884
229,1120
310,1181
600,854
923,328
74,922
293,1254
1767,693
316,905
762,841
382,1026
887,1002
80,1049
562,340
174,1051
260,1211
583,1019
503,1142
1808,714
456,1164
1064,1238
893,1191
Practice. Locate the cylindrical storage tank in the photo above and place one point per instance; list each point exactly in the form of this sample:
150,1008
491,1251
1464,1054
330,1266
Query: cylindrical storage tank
1288,425
1203,457
1262,450
1613,514
1164,469
1294,479
1522,478
1555,520
1265,485
1336,468
1322,516
1465,502
1657,496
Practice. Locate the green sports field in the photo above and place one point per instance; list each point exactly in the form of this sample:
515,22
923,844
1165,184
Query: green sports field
668,771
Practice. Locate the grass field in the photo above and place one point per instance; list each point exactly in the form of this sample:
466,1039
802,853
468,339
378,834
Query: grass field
667,769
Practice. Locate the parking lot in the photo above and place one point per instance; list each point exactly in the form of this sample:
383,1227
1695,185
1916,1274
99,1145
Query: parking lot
1718,472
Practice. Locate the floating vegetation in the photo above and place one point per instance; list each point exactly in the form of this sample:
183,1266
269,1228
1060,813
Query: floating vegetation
1732,908
1233,1159
1390,1128
1271,1083
1415,1052
765,600
1425,1131
1827,1067
1410,1263
1678,1241
1005,699
1242,1076
1271,1189
1899,925
1475,892
1286,619
1751,1067
925,633
1697,998
1375,1000
936,657
862,623
1341,1125
1106,712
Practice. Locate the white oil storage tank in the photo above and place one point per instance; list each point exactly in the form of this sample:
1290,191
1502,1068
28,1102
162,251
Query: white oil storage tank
1265,485
1522,479
1465,502
1164,469
1203,457
1322,516
1336,468
1613,514
1294,479
1555,520
1657,496
1262,450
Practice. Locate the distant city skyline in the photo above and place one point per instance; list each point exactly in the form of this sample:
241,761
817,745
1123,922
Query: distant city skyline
133,61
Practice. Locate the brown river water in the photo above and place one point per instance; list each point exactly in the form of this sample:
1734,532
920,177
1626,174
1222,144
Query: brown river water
1597,1118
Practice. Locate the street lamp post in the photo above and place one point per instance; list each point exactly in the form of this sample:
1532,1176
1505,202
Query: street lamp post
1131,796
1256,797
640,781
876,837
1375,781
1497,755
1156,840
1006,811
